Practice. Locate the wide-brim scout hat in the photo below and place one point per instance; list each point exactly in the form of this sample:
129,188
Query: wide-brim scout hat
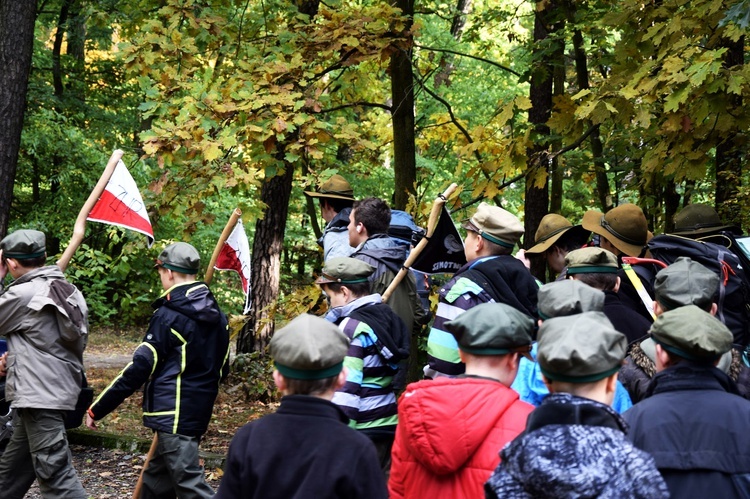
495,225
345,270
551,229
624,226
580,348
568,297
685,282
692,333
309,348
700,219
493,329
591,260
180,257
335,187
24,244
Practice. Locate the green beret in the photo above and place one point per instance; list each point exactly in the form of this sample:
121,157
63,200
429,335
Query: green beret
568,297
591,261
24,244
309,348
492,329
580,348
180,257
496,225
685,282
692,333
345,270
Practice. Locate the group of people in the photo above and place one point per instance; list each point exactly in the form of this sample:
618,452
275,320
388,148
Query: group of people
606,382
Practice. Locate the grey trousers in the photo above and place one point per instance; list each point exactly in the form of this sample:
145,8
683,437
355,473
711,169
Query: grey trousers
174,470
39,450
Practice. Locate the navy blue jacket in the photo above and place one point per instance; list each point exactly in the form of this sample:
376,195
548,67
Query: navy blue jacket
697,428
184,355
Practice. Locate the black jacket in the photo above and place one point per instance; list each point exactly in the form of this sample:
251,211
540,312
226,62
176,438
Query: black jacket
183,356
633,326
695,425
506,280
304,450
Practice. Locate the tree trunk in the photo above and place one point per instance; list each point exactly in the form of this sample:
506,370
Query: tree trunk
402,116
62,21
16,42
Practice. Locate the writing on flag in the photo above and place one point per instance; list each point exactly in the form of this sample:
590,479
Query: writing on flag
235,255
444,252
121,204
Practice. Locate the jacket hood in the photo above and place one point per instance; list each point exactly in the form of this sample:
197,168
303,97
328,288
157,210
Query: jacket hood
445,419
386,249
192,299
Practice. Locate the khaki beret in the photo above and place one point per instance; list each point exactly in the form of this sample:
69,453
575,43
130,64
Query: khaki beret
492,329
580,348
568,297
685,282
591,261
335,187
345,270
180,257
692,333
309,348
624,226
496,225
24,244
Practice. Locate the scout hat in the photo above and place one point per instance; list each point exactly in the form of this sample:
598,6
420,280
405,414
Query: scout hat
700,219
309,348
492,329
345,270
496,225
691,333
580,348
568,297
685,282
591,261
335,187
551,229
624,226
24,244
180,257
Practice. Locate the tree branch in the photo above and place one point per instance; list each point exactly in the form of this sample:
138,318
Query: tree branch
355,104
574,144
482,59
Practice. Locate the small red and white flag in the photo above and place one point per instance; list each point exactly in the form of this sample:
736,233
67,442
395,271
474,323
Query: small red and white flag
121,204
235,255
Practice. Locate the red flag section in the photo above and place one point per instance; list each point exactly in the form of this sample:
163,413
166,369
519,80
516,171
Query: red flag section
235,255
121,204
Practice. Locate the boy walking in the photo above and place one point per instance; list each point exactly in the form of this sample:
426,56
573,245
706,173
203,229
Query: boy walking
305,449
184,355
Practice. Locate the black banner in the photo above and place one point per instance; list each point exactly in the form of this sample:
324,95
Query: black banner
444,253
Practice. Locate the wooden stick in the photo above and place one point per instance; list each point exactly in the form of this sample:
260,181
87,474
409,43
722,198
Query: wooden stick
236,214
437,207
79,229
151,452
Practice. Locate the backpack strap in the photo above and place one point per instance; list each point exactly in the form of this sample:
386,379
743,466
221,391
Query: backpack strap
647,301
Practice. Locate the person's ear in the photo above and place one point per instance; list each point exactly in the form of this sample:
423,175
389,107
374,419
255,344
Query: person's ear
279,380
617,284
341,379
612,383
714,309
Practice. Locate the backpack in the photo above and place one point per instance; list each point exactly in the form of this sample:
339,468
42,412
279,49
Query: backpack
734,287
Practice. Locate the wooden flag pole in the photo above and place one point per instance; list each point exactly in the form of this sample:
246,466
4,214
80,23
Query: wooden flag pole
236,214
437,207
79,229
151,452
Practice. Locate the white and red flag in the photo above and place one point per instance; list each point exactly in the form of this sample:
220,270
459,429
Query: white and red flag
121,204
235,255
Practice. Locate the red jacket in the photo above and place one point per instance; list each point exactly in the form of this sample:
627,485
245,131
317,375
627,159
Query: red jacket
449,435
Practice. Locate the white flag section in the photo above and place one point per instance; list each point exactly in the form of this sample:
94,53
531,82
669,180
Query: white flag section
121,204
235,255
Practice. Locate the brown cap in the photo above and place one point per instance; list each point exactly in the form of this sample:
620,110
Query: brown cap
496,225
335,187
551,229
624,226
699,220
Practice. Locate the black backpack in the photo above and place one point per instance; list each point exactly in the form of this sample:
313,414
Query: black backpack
734,287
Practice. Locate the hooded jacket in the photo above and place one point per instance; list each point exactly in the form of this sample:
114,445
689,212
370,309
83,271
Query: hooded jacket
574,447
45,320
448,436
184,355
335,238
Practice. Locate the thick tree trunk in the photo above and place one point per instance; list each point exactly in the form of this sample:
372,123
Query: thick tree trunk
16,42
402,116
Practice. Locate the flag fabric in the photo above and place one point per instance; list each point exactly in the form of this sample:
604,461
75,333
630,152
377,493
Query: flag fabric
121,204
235,255
444,252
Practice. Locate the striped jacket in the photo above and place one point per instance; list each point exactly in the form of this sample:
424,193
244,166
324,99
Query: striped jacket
367,397
183,356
